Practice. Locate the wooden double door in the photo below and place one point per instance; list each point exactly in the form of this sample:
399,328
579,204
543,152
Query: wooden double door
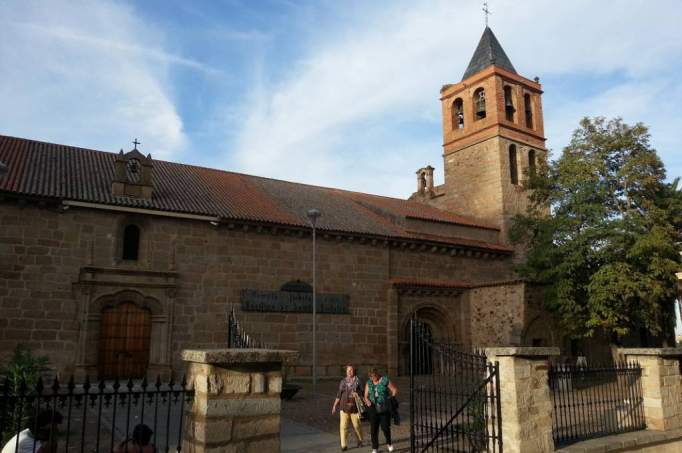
125,334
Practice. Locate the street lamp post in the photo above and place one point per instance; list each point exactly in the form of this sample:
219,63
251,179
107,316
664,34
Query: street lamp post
313,215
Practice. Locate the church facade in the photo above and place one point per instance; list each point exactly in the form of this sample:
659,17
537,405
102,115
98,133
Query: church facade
112,263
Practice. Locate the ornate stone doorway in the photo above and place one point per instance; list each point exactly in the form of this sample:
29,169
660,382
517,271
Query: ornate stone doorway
124,342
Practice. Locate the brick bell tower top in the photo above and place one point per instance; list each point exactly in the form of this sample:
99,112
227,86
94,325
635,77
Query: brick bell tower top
493,136
492,99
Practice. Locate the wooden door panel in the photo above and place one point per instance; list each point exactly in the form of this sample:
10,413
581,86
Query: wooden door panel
125,332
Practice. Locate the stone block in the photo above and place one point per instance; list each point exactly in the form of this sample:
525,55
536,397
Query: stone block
257,383
237,407
209,431
248,427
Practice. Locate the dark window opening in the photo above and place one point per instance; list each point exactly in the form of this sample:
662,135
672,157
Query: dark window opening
479,103
513,169
538,342
131,242
529,111
508,103
531,163
458,114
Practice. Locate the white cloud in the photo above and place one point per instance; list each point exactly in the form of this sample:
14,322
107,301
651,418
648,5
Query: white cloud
87,73
391,61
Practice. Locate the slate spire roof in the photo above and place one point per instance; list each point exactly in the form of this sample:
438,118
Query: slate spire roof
489,52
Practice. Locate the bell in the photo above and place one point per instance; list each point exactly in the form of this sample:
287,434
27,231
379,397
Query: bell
480,105
460,118
509,105
480,109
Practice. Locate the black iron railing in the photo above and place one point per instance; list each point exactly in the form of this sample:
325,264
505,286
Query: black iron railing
237,337
96,416
454,397
595,401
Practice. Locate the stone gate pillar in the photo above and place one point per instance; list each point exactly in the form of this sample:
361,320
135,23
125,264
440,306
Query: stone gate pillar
525,398
661,386
237,404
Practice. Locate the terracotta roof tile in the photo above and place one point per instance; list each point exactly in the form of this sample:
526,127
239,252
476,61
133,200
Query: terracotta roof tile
76,174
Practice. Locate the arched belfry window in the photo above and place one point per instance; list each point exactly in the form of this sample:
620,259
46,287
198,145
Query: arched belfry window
513,168
508,103
131,242
458,114
528,105
531,163
479,104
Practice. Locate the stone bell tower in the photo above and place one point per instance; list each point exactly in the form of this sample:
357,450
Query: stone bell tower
493,137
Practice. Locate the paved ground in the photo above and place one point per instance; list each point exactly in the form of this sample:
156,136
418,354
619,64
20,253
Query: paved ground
309,426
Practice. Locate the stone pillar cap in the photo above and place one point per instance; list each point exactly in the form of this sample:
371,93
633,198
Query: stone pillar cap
522,352
231,356
661,352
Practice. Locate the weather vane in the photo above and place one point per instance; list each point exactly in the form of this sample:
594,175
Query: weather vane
486,11
135,142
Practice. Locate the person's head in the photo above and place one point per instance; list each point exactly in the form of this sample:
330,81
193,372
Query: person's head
44,423
142,434
374,374
350,371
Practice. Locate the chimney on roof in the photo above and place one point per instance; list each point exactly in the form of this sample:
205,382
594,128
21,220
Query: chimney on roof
133,175
425,180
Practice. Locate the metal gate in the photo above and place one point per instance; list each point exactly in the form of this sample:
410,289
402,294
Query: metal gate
454,397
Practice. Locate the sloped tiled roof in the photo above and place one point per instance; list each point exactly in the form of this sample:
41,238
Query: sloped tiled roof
76,174
489,52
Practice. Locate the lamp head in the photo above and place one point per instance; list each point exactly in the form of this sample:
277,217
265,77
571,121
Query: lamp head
313,215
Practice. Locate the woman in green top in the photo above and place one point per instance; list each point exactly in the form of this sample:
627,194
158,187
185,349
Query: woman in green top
378,390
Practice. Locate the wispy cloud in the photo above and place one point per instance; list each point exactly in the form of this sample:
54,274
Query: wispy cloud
383,69
135,50
87,73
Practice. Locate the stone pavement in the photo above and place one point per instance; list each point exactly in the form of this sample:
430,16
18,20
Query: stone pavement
309,426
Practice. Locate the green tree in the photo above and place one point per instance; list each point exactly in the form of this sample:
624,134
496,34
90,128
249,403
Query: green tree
603,233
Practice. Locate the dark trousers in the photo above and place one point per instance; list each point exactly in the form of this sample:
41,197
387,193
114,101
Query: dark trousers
375,420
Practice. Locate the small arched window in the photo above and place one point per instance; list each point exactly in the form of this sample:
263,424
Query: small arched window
458,114
513,168
479,104
508,103
131,242
531,163
529,111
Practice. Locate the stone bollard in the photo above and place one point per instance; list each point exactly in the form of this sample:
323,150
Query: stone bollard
237,402
525,398
661,386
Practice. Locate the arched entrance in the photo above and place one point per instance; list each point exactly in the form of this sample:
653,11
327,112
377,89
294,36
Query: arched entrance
436,327
125,333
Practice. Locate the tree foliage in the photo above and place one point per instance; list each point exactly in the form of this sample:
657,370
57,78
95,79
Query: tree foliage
603,232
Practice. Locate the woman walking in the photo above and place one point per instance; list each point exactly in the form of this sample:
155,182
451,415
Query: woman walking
378,390
349,387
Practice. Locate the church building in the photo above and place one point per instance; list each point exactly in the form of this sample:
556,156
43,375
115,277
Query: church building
112,263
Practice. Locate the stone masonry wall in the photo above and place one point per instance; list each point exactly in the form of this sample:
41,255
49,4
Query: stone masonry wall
43,253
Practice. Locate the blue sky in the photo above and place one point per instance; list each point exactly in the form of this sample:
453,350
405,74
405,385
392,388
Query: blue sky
336,93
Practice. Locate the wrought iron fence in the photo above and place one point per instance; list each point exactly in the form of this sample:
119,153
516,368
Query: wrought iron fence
454,397
237,337
595,401
94,416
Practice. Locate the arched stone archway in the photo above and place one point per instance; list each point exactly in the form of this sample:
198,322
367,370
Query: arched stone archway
437,326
